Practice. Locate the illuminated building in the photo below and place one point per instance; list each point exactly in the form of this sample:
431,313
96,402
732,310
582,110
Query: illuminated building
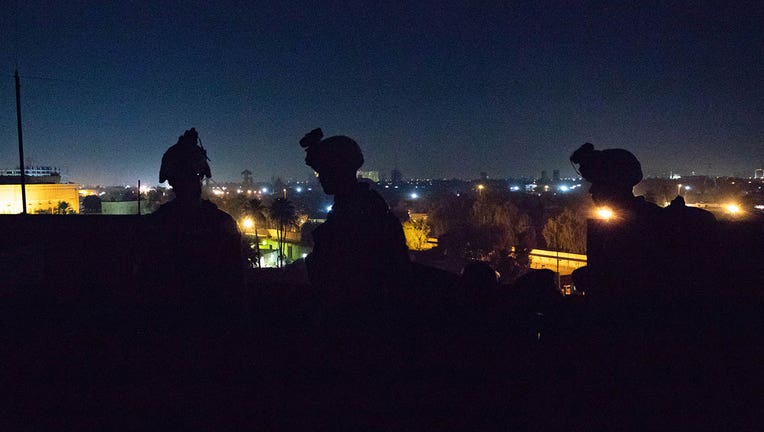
124,207
561,262
38,174
86,192
370,175
40,197
44,190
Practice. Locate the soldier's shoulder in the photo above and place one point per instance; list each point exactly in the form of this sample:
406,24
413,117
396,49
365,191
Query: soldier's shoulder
646,208
220,217
164,211
681,212
371,200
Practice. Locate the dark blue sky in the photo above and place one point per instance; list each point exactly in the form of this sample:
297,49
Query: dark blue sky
450,89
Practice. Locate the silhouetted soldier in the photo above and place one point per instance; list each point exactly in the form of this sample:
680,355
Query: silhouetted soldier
192,279
478,284
360,252
537,301
621,250
197,247
690,245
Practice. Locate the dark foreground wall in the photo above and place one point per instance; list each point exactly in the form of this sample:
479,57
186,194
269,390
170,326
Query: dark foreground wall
69,252
72,252
86,356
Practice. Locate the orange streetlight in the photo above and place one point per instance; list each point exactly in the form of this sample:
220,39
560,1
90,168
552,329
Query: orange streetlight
732,209
604,213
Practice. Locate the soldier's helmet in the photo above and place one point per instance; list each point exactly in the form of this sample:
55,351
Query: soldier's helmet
336,152
186,159
616,167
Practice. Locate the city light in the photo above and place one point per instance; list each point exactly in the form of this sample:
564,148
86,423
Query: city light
329,208
264,190
248,223
604,213
414,195
732,209
514,188
564,188
298,189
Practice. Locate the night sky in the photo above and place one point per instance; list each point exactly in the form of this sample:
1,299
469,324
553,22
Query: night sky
447,89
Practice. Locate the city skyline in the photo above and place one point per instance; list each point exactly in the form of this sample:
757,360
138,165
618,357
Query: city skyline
438,91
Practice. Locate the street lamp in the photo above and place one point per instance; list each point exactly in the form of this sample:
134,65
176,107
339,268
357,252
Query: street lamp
732,209
604,213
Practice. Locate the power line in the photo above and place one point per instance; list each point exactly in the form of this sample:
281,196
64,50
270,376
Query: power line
48,79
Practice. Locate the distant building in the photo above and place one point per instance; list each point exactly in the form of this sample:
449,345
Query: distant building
90,191
34,175
369,175
396,176
544,177
758,174
555,176
483,176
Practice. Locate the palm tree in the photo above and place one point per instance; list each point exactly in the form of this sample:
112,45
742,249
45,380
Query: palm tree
63,208
257,211
283,212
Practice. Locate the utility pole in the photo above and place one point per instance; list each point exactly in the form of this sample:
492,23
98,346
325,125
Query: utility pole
139,197
21,146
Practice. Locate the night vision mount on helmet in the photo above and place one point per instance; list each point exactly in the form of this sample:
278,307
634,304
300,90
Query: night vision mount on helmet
331,153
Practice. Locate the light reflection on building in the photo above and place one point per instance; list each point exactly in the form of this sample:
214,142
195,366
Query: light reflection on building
40,197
